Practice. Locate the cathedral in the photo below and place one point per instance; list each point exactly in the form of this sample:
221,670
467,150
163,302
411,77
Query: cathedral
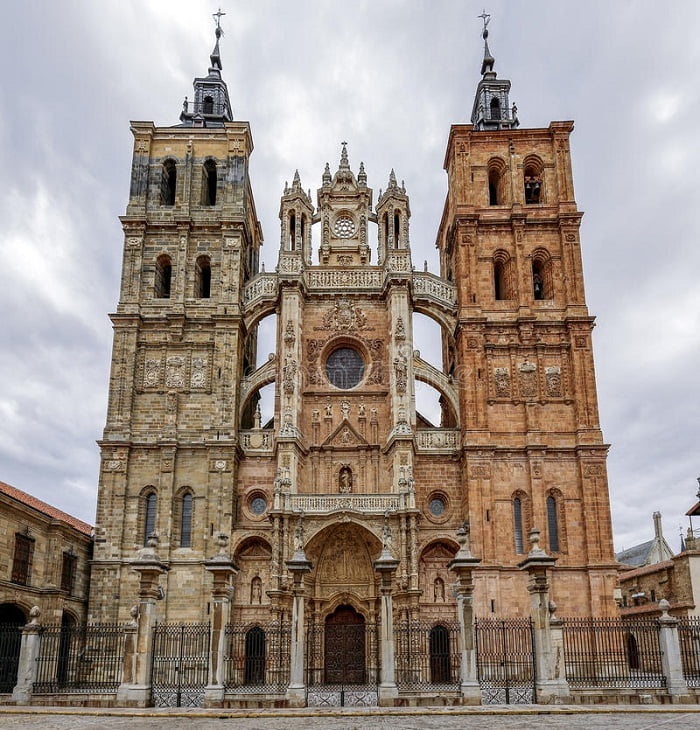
347,470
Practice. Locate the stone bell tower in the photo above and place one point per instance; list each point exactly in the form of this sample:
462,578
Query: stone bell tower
169,450
532,450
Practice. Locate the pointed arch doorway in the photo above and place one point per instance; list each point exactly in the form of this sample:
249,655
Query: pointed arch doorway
343,661
344,647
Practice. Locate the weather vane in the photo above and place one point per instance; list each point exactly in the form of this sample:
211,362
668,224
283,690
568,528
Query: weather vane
218,15
486,17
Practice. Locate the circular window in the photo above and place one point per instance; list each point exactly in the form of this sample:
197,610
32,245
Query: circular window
344,227
258,505
345,368
437,506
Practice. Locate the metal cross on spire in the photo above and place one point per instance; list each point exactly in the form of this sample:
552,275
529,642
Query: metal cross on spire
217,17
486,17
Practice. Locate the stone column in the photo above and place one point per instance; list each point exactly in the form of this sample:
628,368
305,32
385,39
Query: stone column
550,680
386,566
28,654
462,565
671,653
149,567
298,566
222,570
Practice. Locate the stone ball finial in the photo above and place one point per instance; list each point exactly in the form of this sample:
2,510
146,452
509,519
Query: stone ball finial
664,607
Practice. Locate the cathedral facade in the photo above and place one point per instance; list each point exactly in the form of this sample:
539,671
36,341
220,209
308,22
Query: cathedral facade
346,466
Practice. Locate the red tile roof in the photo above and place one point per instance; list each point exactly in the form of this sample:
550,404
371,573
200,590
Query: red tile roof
44,508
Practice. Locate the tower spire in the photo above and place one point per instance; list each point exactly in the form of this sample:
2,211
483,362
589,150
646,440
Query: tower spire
211,106
491,109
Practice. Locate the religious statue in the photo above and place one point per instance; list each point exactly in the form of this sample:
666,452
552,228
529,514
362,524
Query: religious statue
345,480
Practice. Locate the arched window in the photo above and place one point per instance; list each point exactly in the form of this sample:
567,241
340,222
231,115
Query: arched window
397,228
439,642
552,524
208,105
186,520
149,522
386,228
292,231
168,182
202,282
209,183
254,656
497,181
495,107
303,228
533,173
518,524
163,277
502,278
542,284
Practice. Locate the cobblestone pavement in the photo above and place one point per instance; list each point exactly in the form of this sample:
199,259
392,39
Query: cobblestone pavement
437,719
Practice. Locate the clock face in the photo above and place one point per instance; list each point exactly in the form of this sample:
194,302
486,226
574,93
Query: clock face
344,226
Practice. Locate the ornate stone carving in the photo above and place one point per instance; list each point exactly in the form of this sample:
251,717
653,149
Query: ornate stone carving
501,379
344,316
593,470
289,336
198,376
133,242
480,471
435,288
345,408
437,439
400,331
580,341
175,372
220,465
345,479
376,351
401,370
113,465
151,373
528,379
344,279
289,372
553,381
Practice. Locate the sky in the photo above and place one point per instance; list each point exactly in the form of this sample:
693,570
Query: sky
389,77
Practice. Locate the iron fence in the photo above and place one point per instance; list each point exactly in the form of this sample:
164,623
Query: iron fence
689,640
80,658
180,664
10,642
613,652
342,664
428,656
257,657
505,660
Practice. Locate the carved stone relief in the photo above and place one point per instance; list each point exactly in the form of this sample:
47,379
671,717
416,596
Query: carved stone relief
175,372
151,373
501,377
198,376
528,379
553,381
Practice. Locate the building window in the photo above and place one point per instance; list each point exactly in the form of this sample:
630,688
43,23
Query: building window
163,277
533,171
345,368
497,181
209,183
149,523
502,276
495,108
168,182
542,277
186,521
552,524
518,524
22,562
202,282
208,106
68,571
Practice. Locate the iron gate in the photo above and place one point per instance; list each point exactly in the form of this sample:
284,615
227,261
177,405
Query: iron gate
180,664
342,661
505,661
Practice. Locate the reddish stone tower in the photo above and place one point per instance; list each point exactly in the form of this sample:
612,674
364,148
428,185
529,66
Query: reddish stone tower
532,449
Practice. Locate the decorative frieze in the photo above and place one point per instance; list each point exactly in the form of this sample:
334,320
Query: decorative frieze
438,439
364,503
344,279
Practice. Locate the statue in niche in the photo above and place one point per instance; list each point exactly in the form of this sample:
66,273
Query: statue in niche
329,410
361,409
256,590
439,590
345,480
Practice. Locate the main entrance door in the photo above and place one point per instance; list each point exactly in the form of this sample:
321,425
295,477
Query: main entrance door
342,660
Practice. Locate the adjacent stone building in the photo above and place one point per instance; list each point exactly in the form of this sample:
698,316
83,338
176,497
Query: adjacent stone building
346,464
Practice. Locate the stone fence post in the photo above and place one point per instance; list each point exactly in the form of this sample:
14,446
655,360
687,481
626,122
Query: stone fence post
222,569
298,566
137,692
550,678
462,565
28,655
669,644
386,565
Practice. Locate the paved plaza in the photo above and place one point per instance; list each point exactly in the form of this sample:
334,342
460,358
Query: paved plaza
571,718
